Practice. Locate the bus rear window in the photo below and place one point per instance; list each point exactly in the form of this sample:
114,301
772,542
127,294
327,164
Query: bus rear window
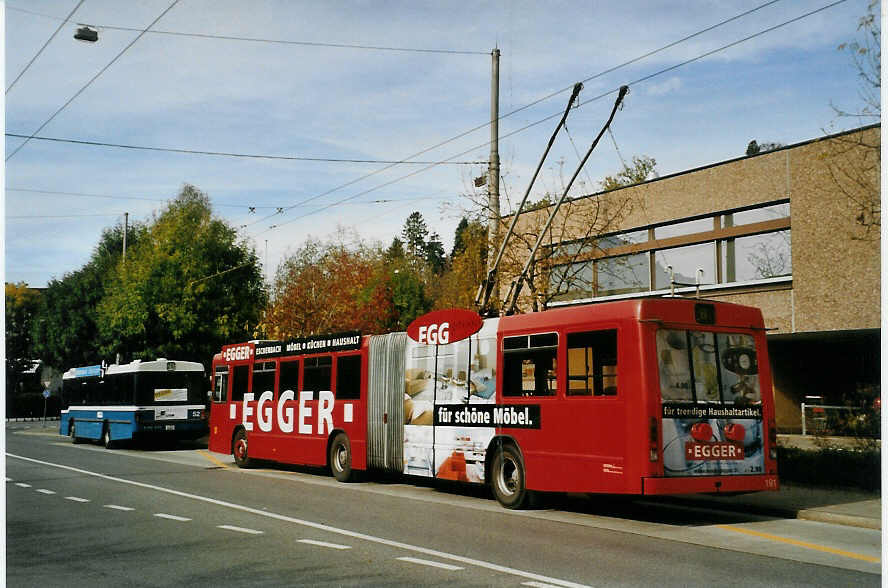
701,366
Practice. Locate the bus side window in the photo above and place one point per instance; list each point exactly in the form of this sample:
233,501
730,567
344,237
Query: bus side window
592,363
530,365
289,379
348,377
263,377
317,373
220,386
239,382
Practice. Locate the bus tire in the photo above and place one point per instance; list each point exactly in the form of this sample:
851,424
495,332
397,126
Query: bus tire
341,458
106,438
507,479
239,449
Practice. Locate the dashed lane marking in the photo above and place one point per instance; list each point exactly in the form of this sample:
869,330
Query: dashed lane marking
240,529
434,564
22,485
118,507
324,544
163,515
76,499
45,491
317,526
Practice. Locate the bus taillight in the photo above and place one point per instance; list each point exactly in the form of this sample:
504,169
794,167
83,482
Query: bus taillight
772,438
654,440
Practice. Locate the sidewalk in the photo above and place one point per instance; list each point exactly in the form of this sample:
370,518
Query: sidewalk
837,506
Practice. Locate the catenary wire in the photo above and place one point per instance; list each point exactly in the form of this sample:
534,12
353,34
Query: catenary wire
230,154
93,79
526,106
274,41
51,37
588,101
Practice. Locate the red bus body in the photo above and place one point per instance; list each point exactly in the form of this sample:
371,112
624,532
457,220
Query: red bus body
645,397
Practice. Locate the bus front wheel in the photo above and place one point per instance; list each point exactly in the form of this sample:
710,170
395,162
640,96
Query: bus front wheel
340,458
508,477
239,449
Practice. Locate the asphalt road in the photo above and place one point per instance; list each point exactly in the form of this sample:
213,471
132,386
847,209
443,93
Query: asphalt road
81,515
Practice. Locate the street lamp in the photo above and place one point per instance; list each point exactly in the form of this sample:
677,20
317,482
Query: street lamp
87,34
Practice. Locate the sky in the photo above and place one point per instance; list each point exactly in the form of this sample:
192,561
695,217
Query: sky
360,84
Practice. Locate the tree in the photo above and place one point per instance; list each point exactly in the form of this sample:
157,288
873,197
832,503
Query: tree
853,161
435,257
641,169
467,267
66,332
327,286
21,310
414,233
188,287
866,56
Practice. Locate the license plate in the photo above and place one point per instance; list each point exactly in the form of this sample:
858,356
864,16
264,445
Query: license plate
170,427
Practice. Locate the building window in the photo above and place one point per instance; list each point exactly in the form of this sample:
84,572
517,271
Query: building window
624,274
685,261
743,245
757,257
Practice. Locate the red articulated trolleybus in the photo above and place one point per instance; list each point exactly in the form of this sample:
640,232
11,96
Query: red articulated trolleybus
645,397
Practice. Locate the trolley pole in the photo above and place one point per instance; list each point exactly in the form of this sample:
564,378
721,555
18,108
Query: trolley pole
493,172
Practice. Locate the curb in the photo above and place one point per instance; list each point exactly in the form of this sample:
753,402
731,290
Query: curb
808,514
822,516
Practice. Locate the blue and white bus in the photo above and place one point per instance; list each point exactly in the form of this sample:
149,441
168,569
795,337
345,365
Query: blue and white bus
116,403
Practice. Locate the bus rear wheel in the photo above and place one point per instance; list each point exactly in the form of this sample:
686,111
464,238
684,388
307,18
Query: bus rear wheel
239,449
508,478
340,458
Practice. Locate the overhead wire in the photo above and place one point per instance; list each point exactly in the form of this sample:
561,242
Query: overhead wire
274,41
231,154
551,116
533,103
93,79
51,37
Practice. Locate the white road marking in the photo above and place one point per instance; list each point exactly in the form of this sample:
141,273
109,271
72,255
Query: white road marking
76,499
318,526
434,564
324,544
117,507
22,485
538,585
240,529
163,515
45,491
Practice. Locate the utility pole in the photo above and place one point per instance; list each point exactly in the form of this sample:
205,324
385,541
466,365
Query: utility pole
493,172
125,230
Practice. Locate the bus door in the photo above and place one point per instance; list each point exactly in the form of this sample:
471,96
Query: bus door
591,416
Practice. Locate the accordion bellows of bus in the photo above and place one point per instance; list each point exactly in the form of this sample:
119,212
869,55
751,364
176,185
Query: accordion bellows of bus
115,403
647,396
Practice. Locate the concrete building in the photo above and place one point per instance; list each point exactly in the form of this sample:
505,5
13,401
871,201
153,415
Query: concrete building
793,231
